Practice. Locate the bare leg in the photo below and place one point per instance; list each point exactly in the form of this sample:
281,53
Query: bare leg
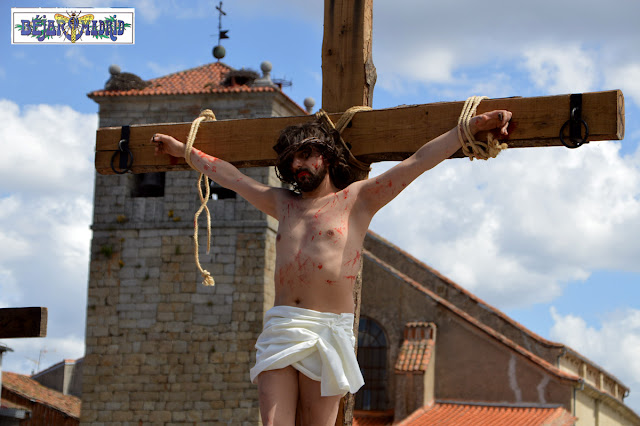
278,395
316,409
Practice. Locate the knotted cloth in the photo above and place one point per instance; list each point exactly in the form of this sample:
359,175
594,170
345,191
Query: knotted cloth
318,344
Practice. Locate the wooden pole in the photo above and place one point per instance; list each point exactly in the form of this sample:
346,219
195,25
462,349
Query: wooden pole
348,79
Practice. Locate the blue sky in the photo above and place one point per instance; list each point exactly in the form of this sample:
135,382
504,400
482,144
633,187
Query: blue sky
548,236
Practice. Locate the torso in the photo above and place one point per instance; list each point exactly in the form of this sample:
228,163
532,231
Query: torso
318,252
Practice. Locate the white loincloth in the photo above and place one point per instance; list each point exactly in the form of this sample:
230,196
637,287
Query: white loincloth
317,344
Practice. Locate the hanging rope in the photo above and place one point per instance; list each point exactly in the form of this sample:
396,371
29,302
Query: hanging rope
470,146
207,115
342,123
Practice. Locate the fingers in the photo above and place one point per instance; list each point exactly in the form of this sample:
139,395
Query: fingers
505,122
159,148
503,118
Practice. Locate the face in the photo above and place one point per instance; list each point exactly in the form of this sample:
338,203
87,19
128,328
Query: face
308,168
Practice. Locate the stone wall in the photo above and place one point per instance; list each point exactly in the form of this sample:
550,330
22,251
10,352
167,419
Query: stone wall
161,347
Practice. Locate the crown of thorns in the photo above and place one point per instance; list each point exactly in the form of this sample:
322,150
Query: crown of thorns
285,155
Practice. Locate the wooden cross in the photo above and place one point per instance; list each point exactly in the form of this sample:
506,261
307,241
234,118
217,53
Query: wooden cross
387,134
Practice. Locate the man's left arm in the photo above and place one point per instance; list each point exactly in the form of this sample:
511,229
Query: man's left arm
376,192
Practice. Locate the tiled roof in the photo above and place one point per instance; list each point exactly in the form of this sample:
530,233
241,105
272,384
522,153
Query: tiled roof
417,348
203,79
562,375
372,418
30,389
455,414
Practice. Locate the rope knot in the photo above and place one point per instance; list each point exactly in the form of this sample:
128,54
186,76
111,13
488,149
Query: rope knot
471,147
208,115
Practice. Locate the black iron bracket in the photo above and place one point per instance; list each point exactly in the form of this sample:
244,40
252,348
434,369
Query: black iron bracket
575,123
126,156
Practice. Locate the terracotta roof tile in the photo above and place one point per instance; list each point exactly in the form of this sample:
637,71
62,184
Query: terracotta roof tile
203,79
456,414
372,418
417,348
29,388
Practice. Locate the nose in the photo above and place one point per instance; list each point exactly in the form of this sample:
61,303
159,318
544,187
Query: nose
296,163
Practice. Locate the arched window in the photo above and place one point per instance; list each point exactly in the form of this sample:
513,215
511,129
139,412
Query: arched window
372,357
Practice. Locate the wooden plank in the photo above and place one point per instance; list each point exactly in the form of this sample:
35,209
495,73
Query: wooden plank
348,73
23,322
377,135
348,79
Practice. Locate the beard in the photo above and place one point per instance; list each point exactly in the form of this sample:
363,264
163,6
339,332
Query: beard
310,181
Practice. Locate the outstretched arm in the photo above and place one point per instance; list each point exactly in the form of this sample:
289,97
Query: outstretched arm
376,192
262,196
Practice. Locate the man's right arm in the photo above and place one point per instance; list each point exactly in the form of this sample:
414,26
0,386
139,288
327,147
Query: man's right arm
262,196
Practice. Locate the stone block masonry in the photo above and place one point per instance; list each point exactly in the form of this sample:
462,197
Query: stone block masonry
161,348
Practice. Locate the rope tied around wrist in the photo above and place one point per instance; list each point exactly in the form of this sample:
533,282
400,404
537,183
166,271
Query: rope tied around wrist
205,115
471,147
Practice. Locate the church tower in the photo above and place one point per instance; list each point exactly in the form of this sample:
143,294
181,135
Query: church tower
161,347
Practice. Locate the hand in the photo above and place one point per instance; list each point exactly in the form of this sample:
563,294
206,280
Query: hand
491,120
166,144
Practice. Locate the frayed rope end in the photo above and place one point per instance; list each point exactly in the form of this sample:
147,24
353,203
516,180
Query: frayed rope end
208,279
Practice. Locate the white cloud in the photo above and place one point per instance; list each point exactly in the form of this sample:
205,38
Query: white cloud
9,289
561,69
627,78
45,148
517,228
615,345
46,176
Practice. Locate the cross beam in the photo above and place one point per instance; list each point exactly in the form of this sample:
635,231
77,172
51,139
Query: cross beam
23,322
377,135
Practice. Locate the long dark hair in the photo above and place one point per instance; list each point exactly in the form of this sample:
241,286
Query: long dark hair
294,138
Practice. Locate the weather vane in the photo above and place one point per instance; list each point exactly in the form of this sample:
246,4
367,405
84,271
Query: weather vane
219,51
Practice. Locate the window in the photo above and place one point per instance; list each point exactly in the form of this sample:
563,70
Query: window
372,357
148,185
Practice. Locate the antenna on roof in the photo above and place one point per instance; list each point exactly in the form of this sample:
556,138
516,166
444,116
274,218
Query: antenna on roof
218,51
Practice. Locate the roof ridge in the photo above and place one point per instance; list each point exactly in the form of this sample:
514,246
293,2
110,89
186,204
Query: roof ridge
191,70
466,292
472,320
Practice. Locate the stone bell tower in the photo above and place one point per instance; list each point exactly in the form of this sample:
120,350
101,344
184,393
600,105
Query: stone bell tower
162,348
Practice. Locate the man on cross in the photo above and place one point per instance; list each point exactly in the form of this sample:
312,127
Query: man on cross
305,360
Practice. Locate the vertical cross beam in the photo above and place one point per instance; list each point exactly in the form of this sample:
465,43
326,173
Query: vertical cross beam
348,78
348,73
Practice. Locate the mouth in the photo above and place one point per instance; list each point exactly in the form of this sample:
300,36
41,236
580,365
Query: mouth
302,174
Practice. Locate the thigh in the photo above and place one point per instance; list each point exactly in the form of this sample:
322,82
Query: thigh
278,395
316,409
